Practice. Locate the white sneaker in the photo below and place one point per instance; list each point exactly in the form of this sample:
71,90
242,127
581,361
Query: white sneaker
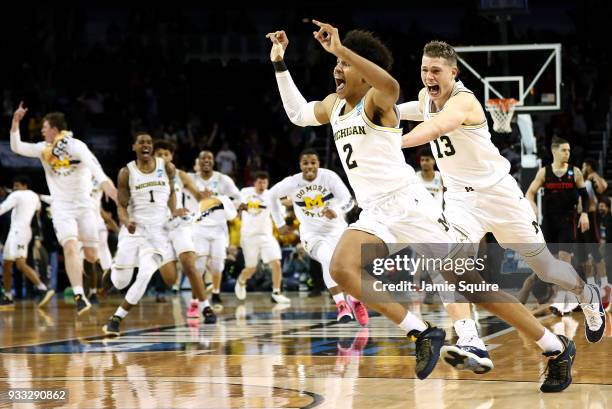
280,299
594,316
240,290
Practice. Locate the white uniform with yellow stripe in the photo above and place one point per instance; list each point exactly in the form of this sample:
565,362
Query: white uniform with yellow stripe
481,196
211,234
310,199
396,206
148,208
256,234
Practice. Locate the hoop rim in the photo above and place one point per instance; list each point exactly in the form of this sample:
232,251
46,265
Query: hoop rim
502,104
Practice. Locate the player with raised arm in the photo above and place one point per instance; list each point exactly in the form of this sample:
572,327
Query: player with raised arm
24,204
482,197
69,166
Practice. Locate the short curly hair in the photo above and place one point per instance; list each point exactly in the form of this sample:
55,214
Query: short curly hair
441,49
370,47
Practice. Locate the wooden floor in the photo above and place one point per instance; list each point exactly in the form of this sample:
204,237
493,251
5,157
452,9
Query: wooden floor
259,356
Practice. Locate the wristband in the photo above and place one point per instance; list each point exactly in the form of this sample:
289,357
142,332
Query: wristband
279,66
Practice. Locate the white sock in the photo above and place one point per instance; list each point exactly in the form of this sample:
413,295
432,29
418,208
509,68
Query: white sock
193,300
78,290
587,295
276,291
466,328
42,286
591,280
338,298
9,295
121,313
216,291
93,291
550,342
604,281
204,304
411,322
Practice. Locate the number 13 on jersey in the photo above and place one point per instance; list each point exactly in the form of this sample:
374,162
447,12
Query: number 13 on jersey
447,148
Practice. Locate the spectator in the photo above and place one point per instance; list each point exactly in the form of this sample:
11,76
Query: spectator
227,161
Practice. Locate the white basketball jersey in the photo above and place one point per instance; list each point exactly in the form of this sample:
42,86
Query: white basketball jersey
149,194
466,156
220,185
434,186
370,154
257,219
97,193
187,200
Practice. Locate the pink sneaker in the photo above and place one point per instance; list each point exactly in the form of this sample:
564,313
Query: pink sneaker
360,310
344,312
194,310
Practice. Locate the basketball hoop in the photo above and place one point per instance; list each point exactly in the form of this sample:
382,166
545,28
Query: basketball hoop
502,110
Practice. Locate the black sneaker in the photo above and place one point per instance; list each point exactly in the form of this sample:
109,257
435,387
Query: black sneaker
428,344
209,315
107,283
82,303
45,297
559,367
467,357
112,326
6,303
93,298
216,299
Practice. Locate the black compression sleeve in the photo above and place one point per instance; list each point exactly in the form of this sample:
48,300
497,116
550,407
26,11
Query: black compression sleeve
585,199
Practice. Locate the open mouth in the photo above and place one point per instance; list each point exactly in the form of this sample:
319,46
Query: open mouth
146,151
340,83
434,90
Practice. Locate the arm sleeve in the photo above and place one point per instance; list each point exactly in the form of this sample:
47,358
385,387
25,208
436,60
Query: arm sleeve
32,150
299,111
8,204
410,111
584,195
90,161
343,196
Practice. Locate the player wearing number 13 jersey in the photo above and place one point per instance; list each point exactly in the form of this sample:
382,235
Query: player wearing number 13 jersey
482,197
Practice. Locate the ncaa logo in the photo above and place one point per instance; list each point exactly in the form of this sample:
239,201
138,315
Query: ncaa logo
160,172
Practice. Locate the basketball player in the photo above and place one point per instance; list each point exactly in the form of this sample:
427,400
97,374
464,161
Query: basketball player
595,185
396,207
24,204
482,197
145,188
431,178
211,235
181,237
69,166
562,186
320,200
256,236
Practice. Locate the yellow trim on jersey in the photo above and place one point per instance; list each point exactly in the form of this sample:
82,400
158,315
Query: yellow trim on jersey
378,127
336,102
344,116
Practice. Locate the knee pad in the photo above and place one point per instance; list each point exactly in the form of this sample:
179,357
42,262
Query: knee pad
121,277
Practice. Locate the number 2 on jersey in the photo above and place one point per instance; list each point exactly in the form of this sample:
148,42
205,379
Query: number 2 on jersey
449,148
350,164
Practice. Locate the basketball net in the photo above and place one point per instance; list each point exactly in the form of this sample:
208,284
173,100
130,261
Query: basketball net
502,110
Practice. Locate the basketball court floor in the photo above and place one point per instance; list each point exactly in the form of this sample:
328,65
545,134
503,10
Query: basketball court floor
260,356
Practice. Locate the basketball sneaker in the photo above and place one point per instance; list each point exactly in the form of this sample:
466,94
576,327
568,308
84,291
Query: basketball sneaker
93,298
45,297
594,316
428,344
559,367
607,293
216,298
209,316
112,326
6,302
344,313
194,309
280,299
469,354
359,310
240,290
82,304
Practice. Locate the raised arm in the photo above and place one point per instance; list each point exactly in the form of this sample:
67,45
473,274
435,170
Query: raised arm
455,113
385,89
299,111
599,183
123,199
32,150
535,185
